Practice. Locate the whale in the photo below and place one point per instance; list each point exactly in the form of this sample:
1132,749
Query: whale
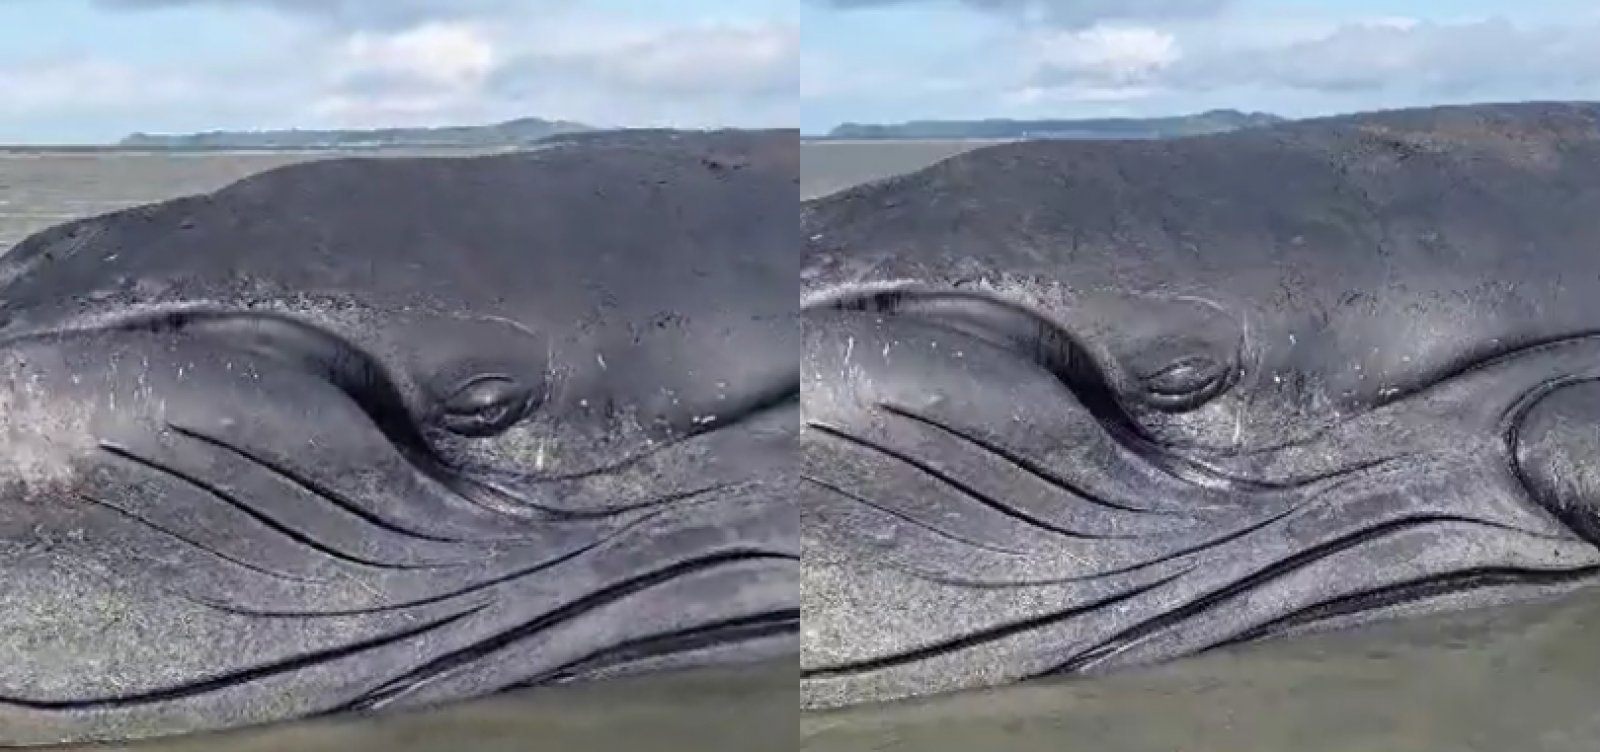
362,434
1075,407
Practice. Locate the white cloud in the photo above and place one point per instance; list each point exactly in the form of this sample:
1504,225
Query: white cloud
693,75
713,58
1068,13
1106,56
691,72
561,62
1404,54
1381,58
452,54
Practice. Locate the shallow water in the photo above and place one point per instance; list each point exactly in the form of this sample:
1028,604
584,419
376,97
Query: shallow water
41,189
828,166
38,190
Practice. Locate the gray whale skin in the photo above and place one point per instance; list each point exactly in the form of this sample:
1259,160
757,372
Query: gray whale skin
361,434
1070,407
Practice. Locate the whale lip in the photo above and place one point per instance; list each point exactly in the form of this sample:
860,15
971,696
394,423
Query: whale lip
759,630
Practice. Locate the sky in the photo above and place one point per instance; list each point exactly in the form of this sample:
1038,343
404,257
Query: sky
91,71
896,60
86,71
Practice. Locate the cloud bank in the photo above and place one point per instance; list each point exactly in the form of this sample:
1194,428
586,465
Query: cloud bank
372,63
1072,13
1066,58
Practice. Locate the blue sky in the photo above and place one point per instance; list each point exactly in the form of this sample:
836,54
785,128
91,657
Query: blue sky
893,60
94,70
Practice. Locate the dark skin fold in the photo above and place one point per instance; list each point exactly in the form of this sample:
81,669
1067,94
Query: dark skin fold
372,433
1070,407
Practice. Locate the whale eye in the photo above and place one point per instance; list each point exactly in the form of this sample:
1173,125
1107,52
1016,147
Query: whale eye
1184,384
485,406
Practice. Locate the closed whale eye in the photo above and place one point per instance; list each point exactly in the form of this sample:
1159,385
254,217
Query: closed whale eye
485,406
1185,383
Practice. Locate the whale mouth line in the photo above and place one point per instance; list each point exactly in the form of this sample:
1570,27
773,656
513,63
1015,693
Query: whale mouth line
755,626
1407,592
270,521
830,487
780,624
1436,584
244,676
965,490
1086,660
975,639
1022,463
1305,618
316,488
765,623
237,501
473,588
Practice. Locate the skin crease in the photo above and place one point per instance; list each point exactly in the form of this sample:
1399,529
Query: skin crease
362,434
1072,407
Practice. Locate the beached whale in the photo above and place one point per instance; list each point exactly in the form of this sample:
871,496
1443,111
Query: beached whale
1075,406
365,433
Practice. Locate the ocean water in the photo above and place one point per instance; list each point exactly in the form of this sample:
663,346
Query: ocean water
828,166
42,188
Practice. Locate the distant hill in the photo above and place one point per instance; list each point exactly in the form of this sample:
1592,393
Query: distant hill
510,133
1214,121
651,136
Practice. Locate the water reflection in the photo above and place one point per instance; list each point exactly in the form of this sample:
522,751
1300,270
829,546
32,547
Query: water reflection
1525,679
745,710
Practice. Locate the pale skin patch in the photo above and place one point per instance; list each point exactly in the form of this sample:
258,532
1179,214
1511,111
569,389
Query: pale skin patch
40,435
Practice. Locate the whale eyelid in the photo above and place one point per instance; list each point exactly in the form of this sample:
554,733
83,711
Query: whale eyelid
1186,383
482,380
485,405
1185,375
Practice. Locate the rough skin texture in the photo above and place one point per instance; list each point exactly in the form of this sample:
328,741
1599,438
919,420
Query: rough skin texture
1071,407
358,433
